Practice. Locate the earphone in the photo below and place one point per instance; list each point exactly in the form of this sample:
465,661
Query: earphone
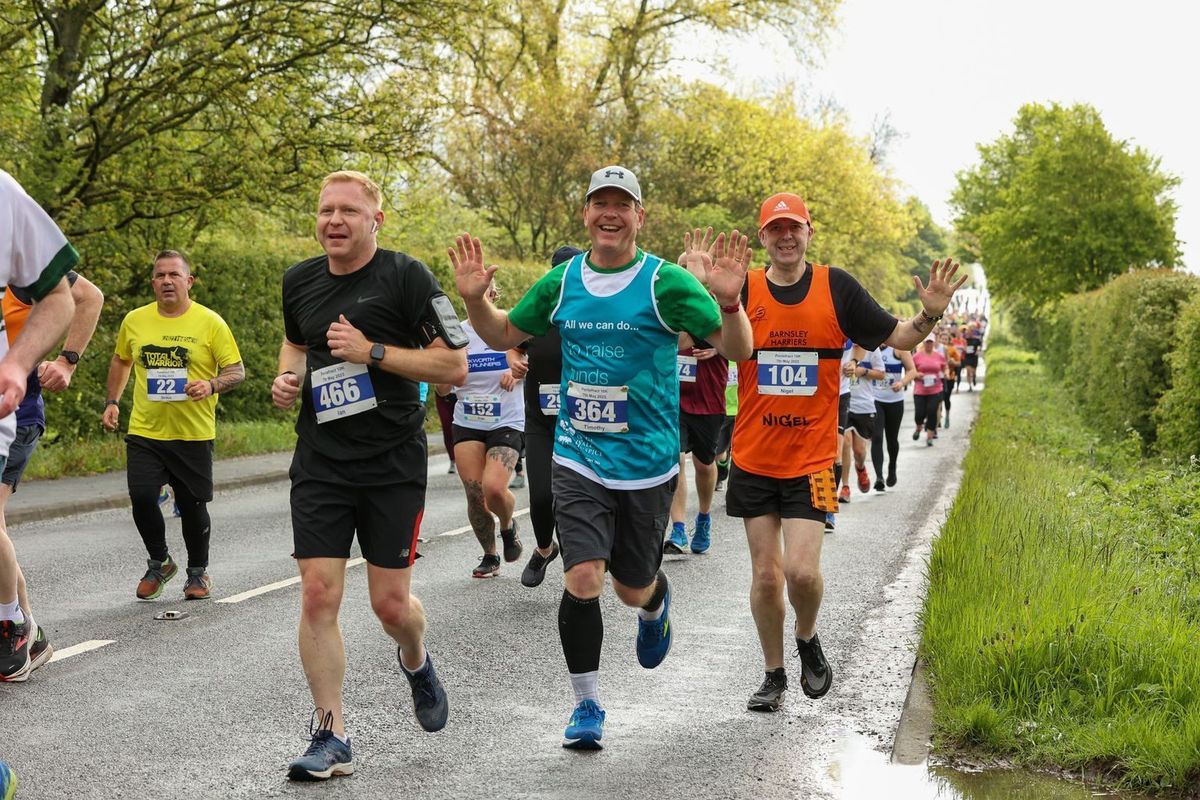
374,227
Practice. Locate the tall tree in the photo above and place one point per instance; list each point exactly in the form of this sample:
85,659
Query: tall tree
1060,206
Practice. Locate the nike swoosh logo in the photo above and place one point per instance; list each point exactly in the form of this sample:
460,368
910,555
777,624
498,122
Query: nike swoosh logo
362,299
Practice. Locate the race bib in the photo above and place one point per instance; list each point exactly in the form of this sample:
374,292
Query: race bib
686,366
790,374
548,398
165,384
929,380
484,408
598,409
342,390
970,349
892,376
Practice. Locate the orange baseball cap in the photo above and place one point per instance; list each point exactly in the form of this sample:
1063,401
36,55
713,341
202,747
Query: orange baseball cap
784,205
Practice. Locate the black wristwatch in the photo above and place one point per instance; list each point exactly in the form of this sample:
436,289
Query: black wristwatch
71,356
378,351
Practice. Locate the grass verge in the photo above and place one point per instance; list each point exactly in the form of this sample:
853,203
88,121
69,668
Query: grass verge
1062,625
63,459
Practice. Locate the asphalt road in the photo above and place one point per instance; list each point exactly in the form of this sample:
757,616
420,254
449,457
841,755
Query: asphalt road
214,705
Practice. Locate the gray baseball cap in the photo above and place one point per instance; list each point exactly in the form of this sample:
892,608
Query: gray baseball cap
618,178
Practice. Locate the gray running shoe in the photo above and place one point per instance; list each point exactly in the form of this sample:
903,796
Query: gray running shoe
430,703
816,676
517,482
535,570
512,543
770,694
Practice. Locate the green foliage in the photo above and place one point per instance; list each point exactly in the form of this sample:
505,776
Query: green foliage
1063,611
1178,409
1059,206
1110,346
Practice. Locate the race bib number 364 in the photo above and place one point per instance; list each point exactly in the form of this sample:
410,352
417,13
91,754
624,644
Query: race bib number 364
598,409
787,373
342,390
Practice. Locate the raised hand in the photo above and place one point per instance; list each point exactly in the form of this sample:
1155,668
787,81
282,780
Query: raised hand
936,296
470,275
731,259
696,257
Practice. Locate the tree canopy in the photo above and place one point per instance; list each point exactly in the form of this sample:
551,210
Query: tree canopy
1059,206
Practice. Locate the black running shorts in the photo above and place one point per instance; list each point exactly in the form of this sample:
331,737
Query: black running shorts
623,527
496,437
863,424
699,435
843,413
805,497
332,501
153,463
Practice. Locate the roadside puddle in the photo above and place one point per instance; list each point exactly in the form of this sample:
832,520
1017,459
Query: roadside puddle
860,771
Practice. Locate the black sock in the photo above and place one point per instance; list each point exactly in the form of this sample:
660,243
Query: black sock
837,475
581,629
660,592
777,673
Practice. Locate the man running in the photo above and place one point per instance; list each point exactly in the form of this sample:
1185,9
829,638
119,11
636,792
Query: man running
35,256
54,376
182,355
363,326
616,455
801,315
974,346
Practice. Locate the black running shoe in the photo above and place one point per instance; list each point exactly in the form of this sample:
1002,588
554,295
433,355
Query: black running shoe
430,703
815,674
879,487
489,567
891,479
769,695
512,543
535,570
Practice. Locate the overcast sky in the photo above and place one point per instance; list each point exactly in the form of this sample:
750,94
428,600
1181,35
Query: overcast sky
952,73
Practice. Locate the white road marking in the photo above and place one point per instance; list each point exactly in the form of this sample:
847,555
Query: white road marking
76,649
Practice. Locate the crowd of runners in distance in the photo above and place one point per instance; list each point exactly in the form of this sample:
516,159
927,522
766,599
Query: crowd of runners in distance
616,371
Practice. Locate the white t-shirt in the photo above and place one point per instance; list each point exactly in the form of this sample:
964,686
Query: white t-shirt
482,404
862,392
34,254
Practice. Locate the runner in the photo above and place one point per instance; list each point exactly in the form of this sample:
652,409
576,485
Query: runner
927,391
702,379
952,355
801,315
489,433
862,412
726,438
542,371
35,256
851,355
974,346
182,356
54,376
445,409
362,326
616,452
889,408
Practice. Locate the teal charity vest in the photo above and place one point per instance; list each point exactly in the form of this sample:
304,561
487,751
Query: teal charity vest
618,421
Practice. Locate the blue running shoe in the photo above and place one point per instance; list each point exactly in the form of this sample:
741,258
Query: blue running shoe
326,756
654,636
8,778
830,521
586,727
430,703
702,536
677,542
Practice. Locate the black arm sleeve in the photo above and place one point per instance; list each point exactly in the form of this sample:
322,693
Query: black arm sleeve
864,320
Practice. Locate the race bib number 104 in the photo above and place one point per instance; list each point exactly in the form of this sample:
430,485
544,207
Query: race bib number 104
787,373
342,390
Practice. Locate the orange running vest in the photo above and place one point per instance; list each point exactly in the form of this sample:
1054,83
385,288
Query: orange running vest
792,431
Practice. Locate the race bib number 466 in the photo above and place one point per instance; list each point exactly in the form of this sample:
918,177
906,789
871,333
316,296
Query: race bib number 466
598,409
342,390
787,373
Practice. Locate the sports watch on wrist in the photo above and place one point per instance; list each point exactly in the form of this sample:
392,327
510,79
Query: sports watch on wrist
70,356
378,351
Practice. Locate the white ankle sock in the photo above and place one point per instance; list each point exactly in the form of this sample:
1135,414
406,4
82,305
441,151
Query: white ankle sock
586,686
12,612
650,616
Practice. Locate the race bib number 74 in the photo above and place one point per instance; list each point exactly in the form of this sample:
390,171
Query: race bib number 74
342,390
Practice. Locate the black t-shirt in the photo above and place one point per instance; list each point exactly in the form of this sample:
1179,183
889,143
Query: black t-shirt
545,366
388,300
864,320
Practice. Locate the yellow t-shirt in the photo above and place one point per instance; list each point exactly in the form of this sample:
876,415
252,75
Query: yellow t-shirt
167,352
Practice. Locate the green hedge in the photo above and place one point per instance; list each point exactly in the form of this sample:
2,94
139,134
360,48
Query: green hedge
1113,349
